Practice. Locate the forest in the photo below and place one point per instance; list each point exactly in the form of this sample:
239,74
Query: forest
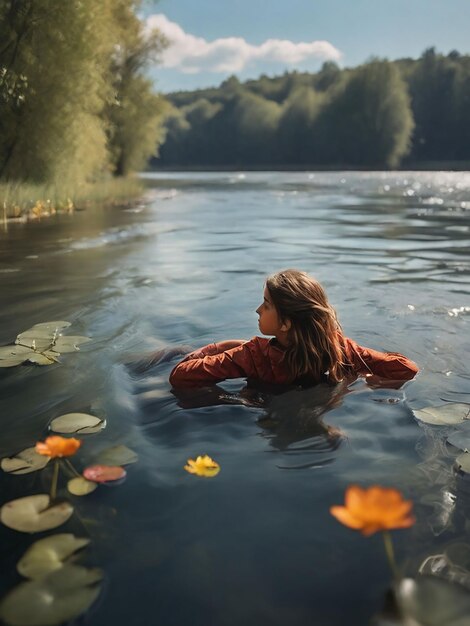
76,104
383,114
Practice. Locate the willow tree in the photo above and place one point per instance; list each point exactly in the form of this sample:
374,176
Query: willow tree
135,116
369,118
297,132
54,81
74,101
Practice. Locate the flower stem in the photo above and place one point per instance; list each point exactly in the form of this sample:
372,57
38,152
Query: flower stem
71,467
390,554
55,477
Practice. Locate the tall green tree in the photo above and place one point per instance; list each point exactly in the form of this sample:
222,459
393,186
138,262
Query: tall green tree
369,118
74,101
135,116
297,130
54,82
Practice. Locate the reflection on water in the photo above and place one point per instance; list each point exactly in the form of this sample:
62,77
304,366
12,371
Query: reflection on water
257,544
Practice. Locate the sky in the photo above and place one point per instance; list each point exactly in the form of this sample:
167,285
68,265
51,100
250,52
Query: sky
211,40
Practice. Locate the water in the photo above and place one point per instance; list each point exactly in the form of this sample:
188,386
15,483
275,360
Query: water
256,545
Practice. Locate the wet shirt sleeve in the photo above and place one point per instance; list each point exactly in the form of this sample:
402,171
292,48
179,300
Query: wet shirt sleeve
385,365
208,366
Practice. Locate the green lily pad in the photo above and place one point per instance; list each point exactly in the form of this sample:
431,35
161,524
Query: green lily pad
33,514
463,462
24,462
40,359
34,342
13,355
7,352
461,438
117,455
445,414
12,362
51,327
431,601
49,554
77,423
69,343
80,486
57,598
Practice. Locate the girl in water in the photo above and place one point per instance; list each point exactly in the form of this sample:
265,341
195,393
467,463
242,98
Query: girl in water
307,345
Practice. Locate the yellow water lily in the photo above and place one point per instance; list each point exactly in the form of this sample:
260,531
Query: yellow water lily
203,466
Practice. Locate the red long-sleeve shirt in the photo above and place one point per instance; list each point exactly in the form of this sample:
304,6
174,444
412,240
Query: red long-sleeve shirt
263,359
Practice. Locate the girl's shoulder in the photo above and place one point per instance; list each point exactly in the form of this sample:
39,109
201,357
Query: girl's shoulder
265,345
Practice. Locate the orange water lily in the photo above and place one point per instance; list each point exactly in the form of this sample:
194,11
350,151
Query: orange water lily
203,466
373,509
56,446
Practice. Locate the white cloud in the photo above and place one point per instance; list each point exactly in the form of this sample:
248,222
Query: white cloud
191,55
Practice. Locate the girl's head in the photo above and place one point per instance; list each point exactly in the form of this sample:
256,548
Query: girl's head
307,324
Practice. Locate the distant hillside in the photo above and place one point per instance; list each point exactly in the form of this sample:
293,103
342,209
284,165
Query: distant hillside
380,114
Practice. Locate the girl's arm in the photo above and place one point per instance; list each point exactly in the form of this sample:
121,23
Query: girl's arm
377,365
215,348
215,362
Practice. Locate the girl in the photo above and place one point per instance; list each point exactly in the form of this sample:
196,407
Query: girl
307,345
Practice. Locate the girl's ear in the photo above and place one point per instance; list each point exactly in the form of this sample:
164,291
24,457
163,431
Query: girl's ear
286,325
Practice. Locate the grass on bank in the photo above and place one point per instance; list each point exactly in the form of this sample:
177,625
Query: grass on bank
27,201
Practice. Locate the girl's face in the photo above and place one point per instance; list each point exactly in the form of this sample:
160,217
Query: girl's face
269,322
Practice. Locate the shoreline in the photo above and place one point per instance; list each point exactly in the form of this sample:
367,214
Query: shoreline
433,166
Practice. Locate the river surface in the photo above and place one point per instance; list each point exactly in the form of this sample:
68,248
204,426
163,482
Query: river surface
256,545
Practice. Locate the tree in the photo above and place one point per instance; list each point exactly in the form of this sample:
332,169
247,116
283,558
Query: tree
297,126
135,117
54,83
369,118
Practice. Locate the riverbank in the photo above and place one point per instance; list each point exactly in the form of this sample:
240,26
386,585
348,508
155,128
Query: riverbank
21,201
428,166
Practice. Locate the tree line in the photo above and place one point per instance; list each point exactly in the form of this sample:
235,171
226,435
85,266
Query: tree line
380,114
75,104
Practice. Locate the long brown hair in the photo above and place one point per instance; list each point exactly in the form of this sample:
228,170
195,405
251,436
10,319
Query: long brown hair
315,334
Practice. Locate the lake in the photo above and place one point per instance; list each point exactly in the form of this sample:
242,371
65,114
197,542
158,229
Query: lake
255,545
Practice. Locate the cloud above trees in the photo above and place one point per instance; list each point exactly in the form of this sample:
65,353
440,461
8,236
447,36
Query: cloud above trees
191,55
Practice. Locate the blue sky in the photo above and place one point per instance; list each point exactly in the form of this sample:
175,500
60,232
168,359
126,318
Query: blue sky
213,39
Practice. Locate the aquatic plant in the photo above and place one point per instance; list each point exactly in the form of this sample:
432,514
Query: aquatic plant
41,344
375,509
57,447
203,466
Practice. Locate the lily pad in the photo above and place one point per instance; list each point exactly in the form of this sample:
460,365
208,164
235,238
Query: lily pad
40,359
118,455
10,356
104,473
36,342
431,601
32,514
24,462
461,438
57,598
77,423
49,554
463,462
69,343
81,486
445,414
51,327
